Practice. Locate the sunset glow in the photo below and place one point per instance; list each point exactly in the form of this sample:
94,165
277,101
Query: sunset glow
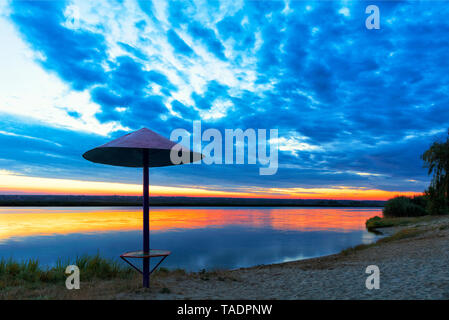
17,184
63,221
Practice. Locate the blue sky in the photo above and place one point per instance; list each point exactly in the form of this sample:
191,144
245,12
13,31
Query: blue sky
354,107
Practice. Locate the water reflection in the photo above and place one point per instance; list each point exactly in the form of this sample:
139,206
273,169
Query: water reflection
198,237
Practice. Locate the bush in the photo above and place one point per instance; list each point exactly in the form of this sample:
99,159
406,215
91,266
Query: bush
377,222
405,207
421,201
437,204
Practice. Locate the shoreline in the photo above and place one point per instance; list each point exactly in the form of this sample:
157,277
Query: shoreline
95,201
412,260
186,205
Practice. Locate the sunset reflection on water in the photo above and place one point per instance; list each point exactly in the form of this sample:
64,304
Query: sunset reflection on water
198,237
23,222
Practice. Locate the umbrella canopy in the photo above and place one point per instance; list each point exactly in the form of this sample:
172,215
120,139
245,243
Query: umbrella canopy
142,148
129,151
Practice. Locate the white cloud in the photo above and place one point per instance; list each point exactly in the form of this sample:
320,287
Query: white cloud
7,133
218,110
367,174
344,11
187,74
28,90
295,143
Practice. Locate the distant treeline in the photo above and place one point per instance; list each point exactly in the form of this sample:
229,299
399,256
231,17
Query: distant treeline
63,200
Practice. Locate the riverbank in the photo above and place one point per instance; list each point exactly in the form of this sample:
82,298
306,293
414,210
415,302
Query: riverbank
412,259
130,201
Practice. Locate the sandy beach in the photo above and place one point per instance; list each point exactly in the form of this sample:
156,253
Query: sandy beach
413,266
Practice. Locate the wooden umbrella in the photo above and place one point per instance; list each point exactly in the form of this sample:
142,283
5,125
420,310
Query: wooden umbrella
142,149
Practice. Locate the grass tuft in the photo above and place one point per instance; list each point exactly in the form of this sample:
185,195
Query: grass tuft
165,290
378,222
402,234
13,273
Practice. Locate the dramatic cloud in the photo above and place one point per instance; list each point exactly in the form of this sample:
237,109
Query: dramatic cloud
354,107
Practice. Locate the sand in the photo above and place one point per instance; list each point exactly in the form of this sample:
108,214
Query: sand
412,268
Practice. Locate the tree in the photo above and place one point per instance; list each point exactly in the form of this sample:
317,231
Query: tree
436,159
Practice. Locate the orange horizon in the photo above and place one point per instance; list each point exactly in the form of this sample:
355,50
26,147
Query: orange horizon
231,195
13,184
366,196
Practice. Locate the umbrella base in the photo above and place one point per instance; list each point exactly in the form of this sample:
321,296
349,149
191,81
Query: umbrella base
153,253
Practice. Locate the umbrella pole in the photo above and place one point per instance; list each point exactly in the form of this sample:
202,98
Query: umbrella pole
146,221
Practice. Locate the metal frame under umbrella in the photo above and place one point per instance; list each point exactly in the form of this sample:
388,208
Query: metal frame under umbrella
142,149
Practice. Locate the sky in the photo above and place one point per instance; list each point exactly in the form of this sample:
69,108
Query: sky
354,108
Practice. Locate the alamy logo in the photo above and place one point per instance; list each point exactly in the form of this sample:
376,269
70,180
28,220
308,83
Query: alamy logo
73,280
373,20
261,149
373,281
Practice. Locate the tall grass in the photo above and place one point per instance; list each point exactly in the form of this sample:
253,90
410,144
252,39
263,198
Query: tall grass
13,272
26,270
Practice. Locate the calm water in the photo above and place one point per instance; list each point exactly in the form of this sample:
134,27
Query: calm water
198,237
